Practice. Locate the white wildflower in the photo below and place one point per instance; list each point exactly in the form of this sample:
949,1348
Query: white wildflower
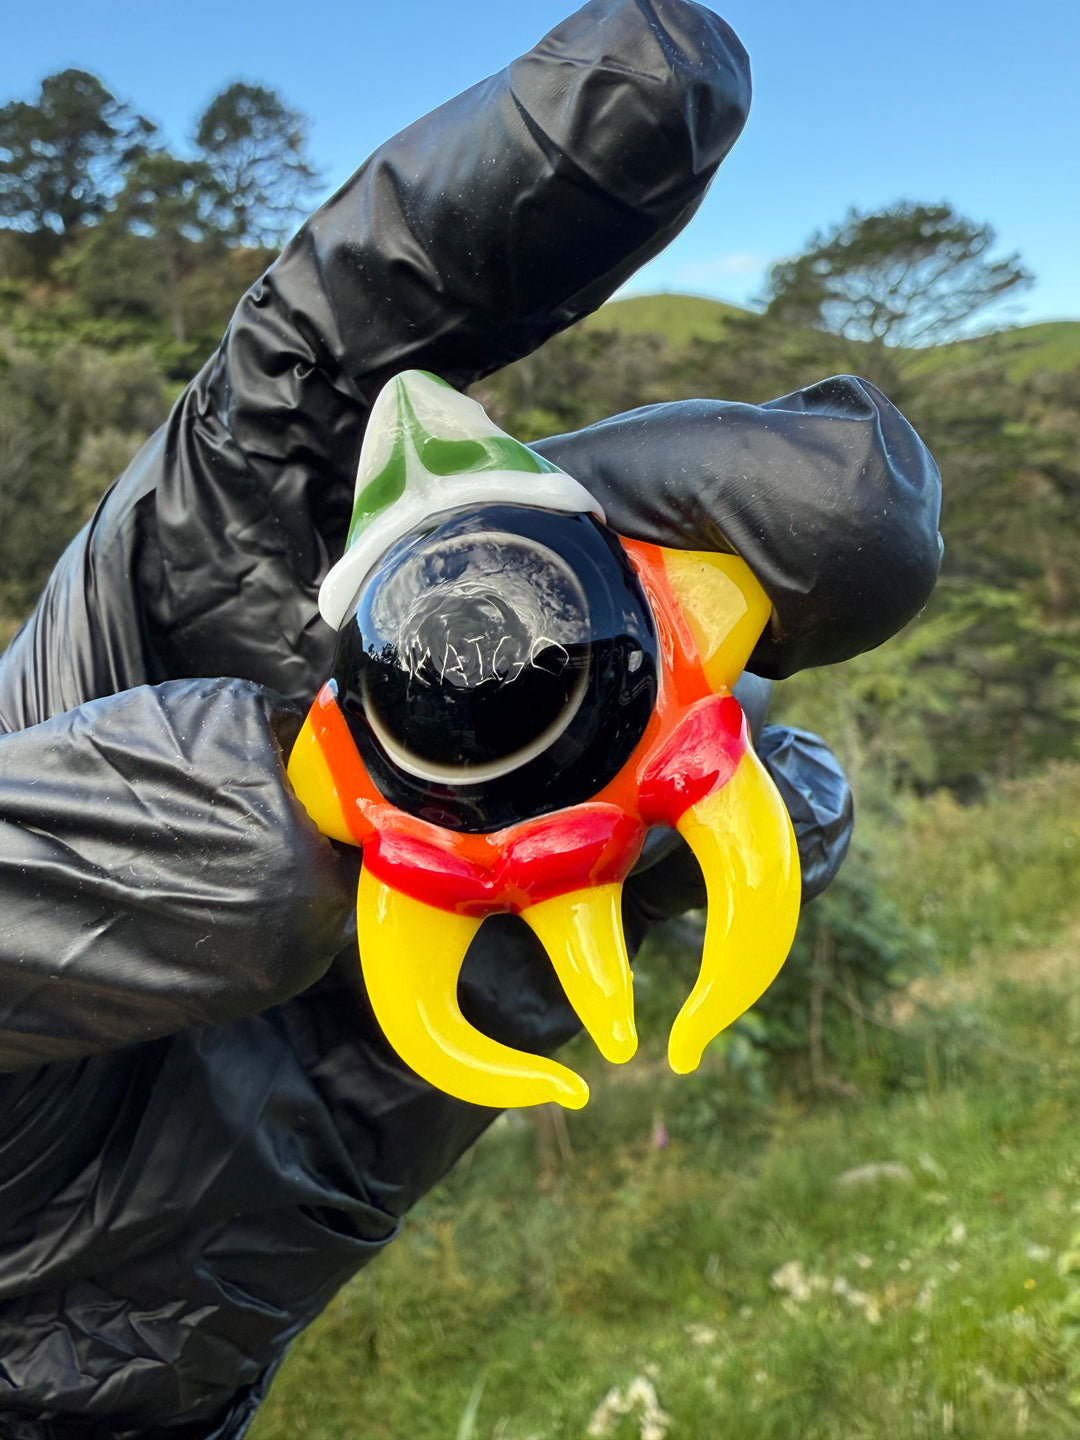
857,1299
640,1395
700,1334
793,1279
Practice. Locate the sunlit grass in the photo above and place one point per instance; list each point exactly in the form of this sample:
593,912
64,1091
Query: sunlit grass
994,877
761,1298
718,1262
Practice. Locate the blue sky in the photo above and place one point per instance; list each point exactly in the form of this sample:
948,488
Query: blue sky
854,104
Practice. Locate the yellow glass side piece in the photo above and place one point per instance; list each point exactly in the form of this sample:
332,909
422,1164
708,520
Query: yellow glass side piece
583,935
724,606
744,843
411,954
310,777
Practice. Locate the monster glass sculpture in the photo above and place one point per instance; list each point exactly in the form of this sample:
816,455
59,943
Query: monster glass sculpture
518,695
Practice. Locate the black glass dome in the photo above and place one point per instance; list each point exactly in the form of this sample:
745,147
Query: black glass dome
501,663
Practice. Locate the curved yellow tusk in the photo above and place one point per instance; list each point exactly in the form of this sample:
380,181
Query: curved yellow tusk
744,843
411,954
583,935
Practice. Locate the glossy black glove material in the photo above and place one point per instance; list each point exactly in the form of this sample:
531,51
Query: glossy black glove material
460,245
175,1209
828,494
156,871
817,796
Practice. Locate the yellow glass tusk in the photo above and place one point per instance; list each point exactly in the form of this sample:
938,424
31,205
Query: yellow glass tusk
411,954
583,935
744,843
310,777
724,606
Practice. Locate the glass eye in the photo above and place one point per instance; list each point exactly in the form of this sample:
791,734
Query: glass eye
501,663
478,653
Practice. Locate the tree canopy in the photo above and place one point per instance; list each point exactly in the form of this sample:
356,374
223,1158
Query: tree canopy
256,149
909,276
62,158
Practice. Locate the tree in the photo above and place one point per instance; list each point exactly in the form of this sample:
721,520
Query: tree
903,278
69,422
61,159
257,150
157,231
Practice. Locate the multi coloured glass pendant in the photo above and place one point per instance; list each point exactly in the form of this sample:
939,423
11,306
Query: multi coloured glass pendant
518,694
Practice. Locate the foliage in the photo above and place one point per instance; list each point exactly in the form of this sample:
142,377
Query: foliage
847,1268
678,319
989,878
115,241
900,1259
908,276
852,950
68,425
160,229
1009,456
62,158
575,379
255,149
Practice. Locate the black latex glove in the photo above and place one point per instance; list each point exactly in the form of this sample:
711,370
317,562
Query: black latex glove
175,1209
460,245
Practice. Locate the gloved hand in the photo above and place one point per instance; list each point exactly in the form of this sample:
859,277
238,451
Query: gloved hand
242,1139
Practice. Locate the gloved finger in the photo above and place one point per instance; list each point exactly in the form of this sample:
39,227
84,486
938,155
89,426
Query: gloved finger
754,695
504,215
828,494
156,871
461,244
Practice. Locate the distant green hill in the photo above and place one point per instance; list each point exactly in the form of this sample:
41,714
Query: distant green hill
678,318
1051,345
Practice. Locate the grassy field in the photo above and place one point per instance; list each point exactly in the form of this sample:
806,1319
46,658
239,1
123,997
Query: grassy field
892,1257
1052,345
678,318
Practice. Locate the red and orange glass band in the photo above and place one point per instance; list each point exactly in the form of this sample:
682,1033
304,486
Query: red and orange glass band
425,889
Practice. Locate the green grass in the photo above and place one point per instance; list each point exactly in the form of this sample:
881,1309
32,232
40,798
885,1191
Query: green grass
756,1295
678,318
727,1283
995,878
1051,345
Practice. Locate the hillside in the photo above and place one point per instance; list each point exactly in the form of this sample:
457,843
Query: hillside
678,318
1051,345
